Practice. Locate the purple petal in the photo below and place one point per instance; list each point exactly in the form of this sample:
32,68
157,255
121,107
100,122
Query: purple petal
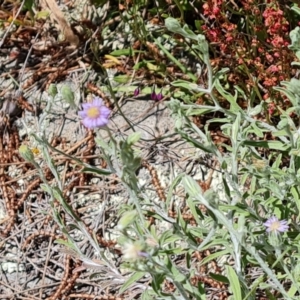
105,112
97,101
101,122
270,221
87,123
86,105
94,123
82,114
275,225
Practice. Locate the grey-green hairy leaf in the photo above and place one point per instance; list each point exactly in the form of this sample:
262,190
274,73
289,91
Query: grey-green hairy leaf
68,95
234,283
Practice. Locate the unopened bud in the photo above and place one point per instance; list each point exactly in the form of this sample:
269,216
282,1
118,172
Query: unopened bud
68,95
26,153
153,96
136,92
127,218
52,90
159,96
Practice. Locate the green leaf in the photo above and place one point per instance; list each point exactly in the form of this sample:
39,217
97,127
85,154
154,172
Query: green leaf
131,280
254,286
198,25
167,238
213,256
45,188
196,231
275,145
59,197
219,278
177,276
122,78
174,26
157,281
295,35
207,148
234,107
95,170
193,209
125,52
174,60
152,67
28,4
68,244
42,15
295,194
293,290
235,131
191,186
269,294
296,9
255,110
149,295
133,138
200,111
214,243
234,283
286,92
257,130
185,84
175,182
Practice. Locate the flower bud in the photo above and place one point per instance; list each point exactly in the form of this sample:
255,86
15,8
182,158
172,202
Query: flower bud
127,218
136,92
275,240
159,96
153,96
26,153
68,95
52,90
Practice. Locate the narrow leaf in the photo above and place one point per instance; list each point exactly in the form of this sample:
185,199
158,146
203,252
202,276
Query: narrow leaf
234,283
132,279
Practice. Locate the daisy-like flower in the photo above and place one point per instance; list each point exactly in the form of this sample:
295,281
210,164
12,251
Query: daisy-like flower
94,114
133,251
274,225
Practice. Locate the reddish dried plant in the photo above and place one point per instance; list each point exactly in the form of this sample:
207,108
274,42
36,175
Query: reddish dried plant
255,50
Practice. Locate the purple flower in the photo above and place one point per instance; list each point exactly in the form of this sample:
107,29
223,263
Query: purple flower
136,92
159,96
94,114
274,225
133,250
153,96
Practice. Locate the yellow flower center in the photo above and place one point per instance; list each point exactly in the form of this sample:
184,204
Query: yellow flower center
93,112
275,226
35,151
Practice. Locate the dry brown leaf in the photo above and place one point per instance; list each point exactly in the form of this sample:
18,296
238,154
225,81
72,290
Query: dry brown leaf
62,22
